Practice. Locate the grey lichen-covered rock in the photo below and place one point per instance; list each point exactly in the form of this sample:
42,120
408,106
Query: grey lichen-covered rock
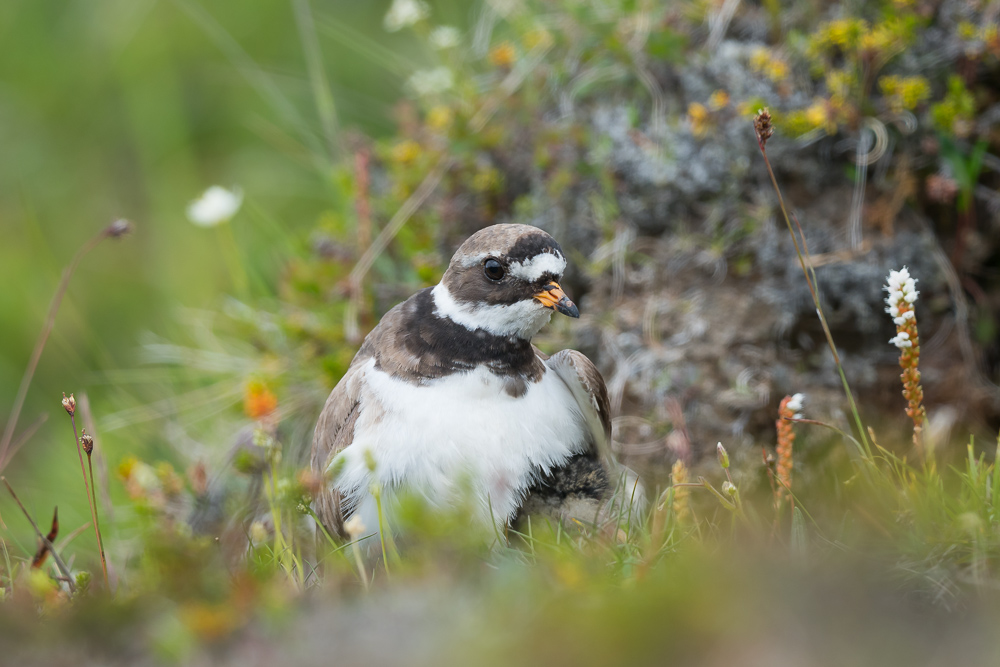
694,303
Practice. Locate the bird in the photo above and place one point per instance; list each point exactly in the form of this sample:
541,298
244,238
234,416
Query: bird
447,395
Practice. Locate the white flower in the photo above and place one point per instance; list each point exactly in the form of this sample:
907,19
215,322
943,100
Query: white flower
404,13
901,340
215,206
354,526
729,488
795,405
431,81
902,289
445,37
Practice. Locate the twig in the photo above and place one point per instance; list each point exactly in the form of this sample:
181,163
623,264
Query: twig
116,229
52,549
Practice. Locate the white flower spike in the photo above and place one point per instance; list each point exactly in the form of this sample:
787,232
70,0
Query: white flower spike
899,304
901,288
404,13
215,206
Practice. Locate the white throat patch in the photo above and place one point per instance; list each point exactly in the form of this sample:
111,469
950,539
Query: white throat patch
522,319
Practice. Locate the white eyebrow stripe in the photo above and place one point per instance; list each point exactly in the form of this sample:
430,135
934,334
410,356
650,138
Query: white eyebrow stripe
472,260
532,269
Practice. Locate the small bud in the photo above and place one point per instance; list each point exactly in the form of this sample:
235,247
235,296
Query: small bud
119,228
762,126
723,456
729,488
87,442
69,404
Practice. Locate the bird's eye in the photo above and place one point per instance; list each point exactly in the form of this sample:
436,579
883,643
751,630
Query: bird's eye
493,270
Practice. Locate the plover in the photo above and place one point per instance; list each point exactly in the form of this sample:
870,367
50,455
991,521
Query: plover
447,396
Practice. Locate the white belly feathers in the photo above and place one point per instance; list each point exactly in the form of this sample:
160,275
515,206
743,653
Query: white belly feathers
467,433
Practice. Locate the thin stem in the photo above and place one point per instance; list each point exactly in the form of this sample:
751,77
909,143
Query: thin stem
43,337
23,438
359,561
381,528
90,503
51,547
97,523
809,273
6,559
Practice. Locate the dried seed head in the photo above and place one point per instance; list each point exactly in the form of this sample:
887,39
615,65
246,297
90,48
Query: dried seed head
87,442
762,126
119,228
69,404
723,455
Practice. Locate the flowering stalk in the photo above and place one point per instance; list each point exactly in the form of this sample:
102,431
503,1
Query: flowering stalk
787,411
69,404
87,442
900,306
681,504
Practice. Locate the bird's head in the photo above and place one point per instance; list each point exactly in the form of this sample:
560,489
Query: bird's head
505,280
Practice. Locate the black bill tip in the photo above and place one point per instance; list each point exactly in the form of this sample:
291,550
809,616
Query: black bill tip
567,307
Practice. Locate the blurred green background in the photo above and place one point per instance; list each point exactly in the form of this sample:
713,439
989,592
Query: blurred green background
131,108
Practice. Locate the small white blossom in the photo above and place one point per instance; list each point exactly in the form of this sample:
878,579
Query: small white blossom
445,37
901,288
901,340
404,13
431,81
729,488
795,405
215,206
354,526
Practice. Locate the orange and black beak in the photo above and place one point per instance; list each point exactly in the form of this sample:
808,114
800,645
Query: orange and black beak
552,296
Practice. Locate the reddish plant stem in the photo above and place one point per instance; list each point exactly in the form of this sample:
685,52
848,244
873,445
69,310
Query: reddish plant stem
90,502
114,230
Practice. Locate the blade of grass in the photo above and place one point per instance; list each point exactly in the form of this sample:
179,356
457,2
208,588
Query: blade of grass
322,96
